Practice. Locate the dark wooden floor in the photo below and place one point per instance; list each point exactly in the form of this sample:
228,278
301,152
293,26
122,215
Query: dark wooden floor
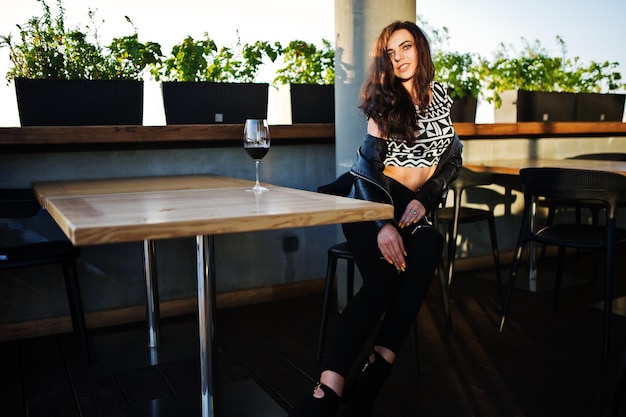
543,364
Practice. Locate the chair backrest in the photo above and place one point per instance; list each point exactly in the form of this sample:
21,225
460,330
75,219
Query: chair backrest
604,187
468,178
341,186
17,203
614,156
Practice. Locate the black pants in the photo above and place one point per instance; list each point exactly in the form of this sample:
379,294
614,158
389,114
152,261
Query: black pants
384,290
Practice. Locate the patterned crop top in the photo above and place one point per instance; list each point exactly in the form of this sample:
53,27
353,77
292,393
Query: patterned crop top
434,134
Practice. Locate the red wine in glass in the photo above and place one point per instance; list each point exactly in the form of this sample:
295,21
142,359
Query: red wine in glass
257,153
256,142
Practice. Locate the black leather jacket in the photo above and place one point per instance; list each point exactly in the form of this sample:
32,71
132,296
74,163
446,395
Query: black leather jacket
369,183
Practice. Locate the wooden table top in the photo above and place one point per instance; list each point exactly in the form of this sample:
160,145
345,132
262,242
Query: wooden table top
55,189
513,166
124,210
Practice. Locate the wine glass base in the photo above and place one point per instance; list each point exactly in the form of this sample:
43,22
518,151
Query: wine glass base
258,189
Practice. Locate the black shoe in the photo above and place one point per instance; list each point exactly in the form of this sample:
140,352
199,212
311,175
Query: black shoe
311,406
361,390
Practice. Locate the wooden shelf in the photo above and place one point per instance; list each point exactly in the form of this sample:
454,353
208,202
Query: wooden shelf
63,135
539,129
297,133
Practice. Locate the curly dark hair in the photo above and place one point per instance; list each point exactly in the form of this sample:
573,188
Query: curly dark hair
383,98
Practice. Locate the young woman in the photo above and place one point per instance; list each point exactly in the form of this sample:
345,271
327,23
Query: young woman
409,156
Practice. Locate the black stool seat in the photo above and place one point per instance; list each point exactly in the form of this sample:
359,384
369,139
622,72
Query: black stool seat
37,254
341,250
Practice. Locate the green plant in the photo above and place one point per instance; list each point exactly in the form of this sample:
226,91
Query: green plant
188,61
462,73
305,63
202,60
535,69
47,48
129,58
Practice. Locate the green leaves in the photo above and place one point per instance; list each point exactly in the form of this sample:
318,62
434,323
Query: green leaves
460,72
48,49
535,69
202,60
532,68
188,61
305,63
128,57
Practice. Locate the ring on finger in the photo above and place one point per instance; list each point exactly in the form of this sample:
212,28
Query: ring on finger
413,212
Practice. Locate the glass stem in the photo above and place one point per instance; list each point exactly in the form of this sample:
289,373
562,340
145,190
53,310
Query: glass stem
256,166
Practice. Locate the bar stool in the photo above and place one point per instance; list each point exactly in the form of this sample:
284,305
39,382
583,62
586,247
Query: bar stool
341,186
21,203
341,251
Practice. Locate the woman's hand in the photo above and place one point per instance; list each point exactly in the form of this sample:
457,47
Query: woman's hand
391,246
413,213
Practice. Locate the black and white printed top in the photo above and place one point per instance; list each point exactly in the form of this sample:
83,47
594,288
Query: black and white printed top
432,137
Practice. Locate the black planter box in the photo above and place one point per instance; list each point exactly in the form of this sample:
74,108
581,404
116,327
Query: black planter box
464,109
214,103
55,102
312,103
539,106
591,107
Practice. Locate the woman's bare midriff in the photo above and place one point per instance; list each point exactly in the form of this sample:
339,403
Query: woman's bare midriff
412,178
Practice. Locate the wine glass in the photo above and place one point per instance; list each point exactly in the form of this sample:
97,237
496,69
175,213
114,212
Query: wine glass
256,142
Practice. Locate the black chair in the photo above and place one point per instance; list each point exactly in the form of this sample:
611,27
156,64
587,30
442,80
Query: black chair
21,203
452,217
606,156
593,207
341,251
572,185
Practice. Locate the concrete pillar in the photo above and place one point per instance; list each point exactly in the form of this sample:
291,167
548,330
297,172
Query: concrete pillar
357,24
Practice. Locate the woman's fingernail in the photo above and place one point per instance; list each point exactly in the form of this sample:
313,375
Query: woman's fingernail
405,254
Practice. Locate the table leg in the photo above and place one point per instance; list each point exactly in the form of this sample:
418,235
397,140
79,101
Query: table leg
152,292
532,264
205,264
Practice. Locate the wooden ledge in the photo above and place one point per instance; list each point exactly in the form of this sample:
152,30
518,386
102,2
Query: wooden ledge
64,135
534,130
297,133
